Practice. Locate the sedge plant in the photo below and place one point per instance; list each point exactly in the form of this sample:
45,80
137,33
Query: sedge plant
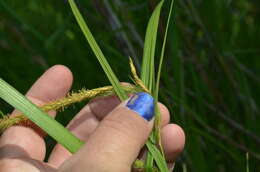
148,82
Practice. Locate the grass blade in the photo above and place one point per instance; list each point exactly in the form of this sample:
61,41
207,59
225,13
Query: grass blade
147,73
157,86
97,51
149,162
158,157
43,120
162,53
148,78
247,162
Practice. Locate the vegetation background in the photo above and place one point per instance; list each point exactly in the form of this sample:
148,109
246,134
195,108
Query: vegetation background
210,79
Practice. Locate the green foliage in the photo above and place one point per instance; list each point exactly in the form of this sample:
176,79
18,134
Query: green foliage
43,120
160,160
148,73
209,82
56,130
97,51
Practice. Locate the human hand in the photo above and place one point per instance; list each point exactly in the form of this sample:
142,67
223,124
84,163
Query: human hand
113,133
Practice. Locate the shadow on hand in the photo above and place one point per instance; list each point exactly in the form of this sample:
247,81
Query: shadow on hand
14,154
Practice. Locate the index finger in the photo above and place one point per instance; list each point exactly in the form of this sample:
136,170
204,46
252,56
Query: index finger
53,84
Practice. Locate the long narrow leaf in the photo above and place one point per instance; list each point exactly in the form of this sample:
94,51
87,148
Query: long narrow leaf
147,73
149,162
162,53
97,51
40,118
158,157
156,92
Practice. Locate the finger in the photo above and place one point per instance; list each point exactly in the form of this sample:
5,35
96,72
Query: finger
100,107
173,140
86,121
53,84
24,164
82,126
119,137
165,114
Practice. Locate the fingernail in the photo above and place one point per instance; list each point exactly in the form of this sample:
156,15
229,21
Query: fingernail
143,104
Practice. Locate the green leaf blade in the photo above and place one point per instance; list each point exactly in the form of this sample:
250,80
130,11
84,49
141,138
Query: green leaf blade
147,73
97,51
158,157
157,86
162,53
149,162
40,118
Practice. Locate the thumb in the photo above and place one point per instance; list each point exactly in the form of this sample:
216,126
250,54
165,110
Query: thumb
117,141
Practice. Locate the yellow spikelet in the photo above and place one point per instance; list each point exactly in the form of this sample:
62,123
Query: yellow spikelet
137,80
60,104
83,94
